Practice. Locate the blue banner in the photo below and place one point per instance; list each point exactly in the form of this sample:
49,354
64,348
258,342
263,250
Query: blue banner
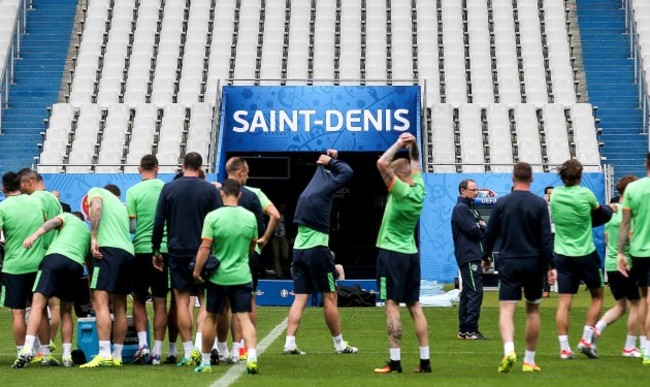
73,187
436,242
314,118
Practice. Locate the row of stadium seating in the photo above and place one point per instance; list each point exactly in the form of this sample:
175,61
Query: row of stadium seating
177,51
117,135
474,139
106,139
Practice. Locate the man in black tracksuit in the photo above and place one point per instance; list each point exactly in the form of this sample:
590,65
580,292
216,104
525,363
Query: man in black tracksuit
182,206
468,228
313,268
521,221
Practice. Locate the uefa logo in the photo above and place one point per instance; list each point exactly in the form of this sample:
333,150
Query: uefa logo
284,293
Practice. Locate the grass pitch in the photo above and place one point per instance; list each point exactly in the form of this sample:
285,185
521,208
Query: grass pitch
454,362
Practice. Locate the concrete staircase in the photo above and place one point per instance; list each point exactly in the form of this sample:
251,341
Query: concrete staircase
37,81
610,80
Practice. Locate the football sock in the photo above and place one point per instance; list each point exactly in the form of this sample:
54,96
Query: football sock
338,342
45,350
29,341
600,327
235,349
104,348
395,354
19,349
222,347
587,334
142,339
290,342
564,343
508,347
630,342
187,349
173,349
157,347
424,353
529,357
67,350
252,355
198,340
205,359
117,351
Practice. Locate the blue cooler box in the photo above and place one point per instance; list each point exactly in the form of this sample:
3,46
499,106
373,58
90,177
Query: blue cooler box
88,341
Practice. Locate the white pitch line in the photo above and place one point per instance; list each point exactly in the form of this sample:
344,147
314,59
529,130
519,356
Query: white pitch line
238,369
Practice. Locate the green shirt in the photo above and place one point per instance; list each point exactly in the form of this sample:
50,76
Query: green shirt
637,200
114,224
402,212
264,201
141,202
52,208
308,238
72,239
611,230
20,216
231,230
571,210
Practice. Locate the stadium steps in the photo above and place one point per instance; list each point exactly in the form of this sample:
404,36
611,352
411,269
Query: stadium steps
37,81
610,80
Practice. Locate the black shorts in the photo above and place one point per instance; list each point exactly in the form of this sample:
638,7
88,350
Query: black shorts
313,271
182,278
398,276
517,273
240,297
58,276
146,276
570,270
17,289
641,271
112,273
623,287
254,265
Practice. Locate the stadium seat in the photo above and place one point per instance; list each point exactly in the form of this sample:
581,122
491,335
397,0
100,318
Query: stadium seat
152,70
83,158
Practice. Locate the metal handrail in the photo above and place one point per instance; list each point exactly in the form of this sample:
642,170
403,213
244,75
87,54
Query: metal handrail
385,81
432,163
635,55
13,52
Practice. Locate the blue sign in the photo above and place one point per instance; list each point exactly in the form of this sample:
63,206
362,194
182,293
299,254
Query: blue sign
314,118
436,242
74,186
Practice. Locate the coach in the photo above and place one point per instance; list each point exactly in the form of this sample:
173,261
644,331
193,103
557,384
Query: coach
468,228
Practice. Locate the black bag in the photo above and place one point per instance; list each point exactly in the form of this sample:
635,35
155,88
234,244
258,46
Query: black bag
600,216
211,265
355,296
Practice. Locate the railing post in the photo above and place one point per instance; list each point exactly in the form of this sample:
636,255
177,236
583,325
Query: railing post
627,14
423,123
645,114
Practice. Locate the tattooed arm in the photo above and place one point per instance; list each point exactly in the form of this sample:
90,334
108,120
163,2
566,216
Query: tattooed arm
414,155
383,164
45,228
95,218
